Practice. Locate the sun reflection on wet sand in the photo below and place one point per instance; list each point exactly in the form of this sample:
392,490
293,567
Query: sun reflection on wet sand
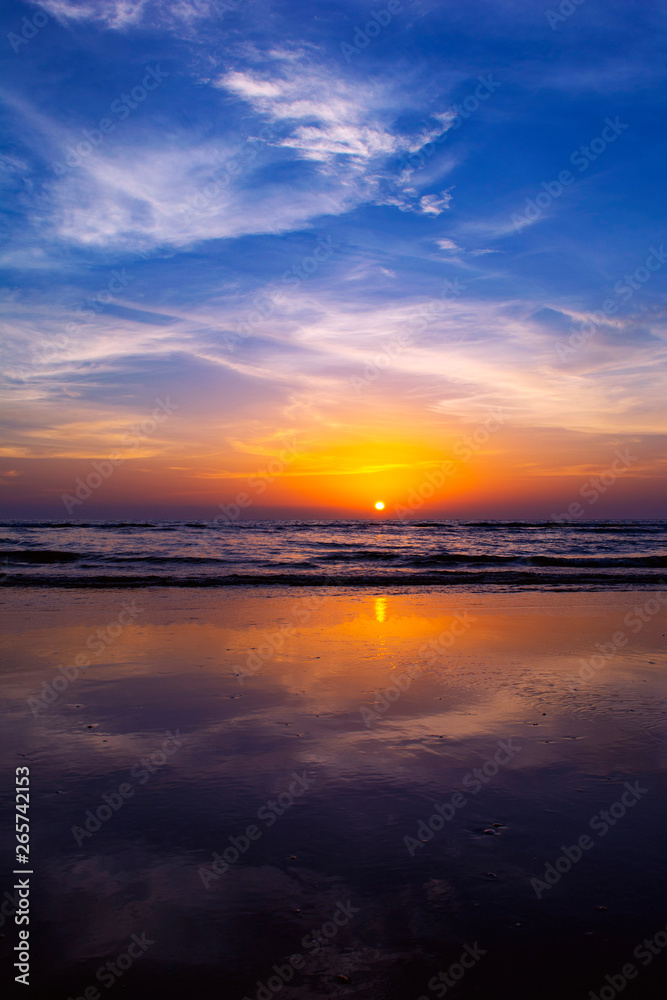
380,608
445,676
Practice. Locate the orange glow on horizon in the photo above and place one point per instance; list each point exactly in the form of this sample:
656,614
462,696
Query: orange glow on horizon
419,470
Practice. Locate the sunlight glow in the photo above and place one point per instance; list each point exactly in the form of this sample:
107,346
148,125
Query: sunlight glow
380,608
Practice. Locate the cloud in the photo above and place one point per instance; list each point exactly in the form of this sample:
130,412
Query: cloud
409,200
118,15
140,188
357,142
352,130
450,247
151,191
444,244
349,122
433,204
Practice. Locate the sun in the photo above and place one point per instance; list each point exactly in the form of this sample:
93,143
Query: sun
379,505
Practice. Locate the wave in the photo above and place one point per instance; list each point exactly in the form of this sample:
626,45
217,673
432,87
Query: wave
39,556
43,524
358,554
151,525
566,562
431,524
178,560
579,526
519,580
331,553
167,524
48,556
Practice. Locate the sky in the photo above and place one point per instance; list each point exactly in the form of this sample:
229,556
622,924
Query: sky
296,259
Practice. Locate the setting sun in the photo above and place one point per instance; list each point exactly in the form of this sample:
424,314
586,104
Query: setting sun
379,505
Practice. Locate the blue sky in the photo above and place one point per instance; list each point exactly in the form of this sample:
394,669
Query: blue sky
230,205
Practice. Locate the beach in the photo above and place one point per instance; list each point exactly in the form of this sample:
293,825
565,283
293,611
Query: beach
339,791
333,548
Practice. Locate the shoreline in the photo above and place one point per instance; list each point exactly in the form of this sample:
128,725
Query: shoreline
623,585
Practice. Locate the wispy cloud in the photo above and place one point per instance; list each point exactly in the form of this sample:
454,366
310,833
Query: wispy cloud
118,15
345,127
111,13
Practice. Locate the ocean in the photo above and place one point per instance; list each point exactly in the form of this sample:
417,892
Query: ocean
507,555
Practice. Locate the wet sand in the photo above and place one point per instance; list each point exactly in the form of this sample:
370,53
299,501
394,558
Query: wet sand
233,775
